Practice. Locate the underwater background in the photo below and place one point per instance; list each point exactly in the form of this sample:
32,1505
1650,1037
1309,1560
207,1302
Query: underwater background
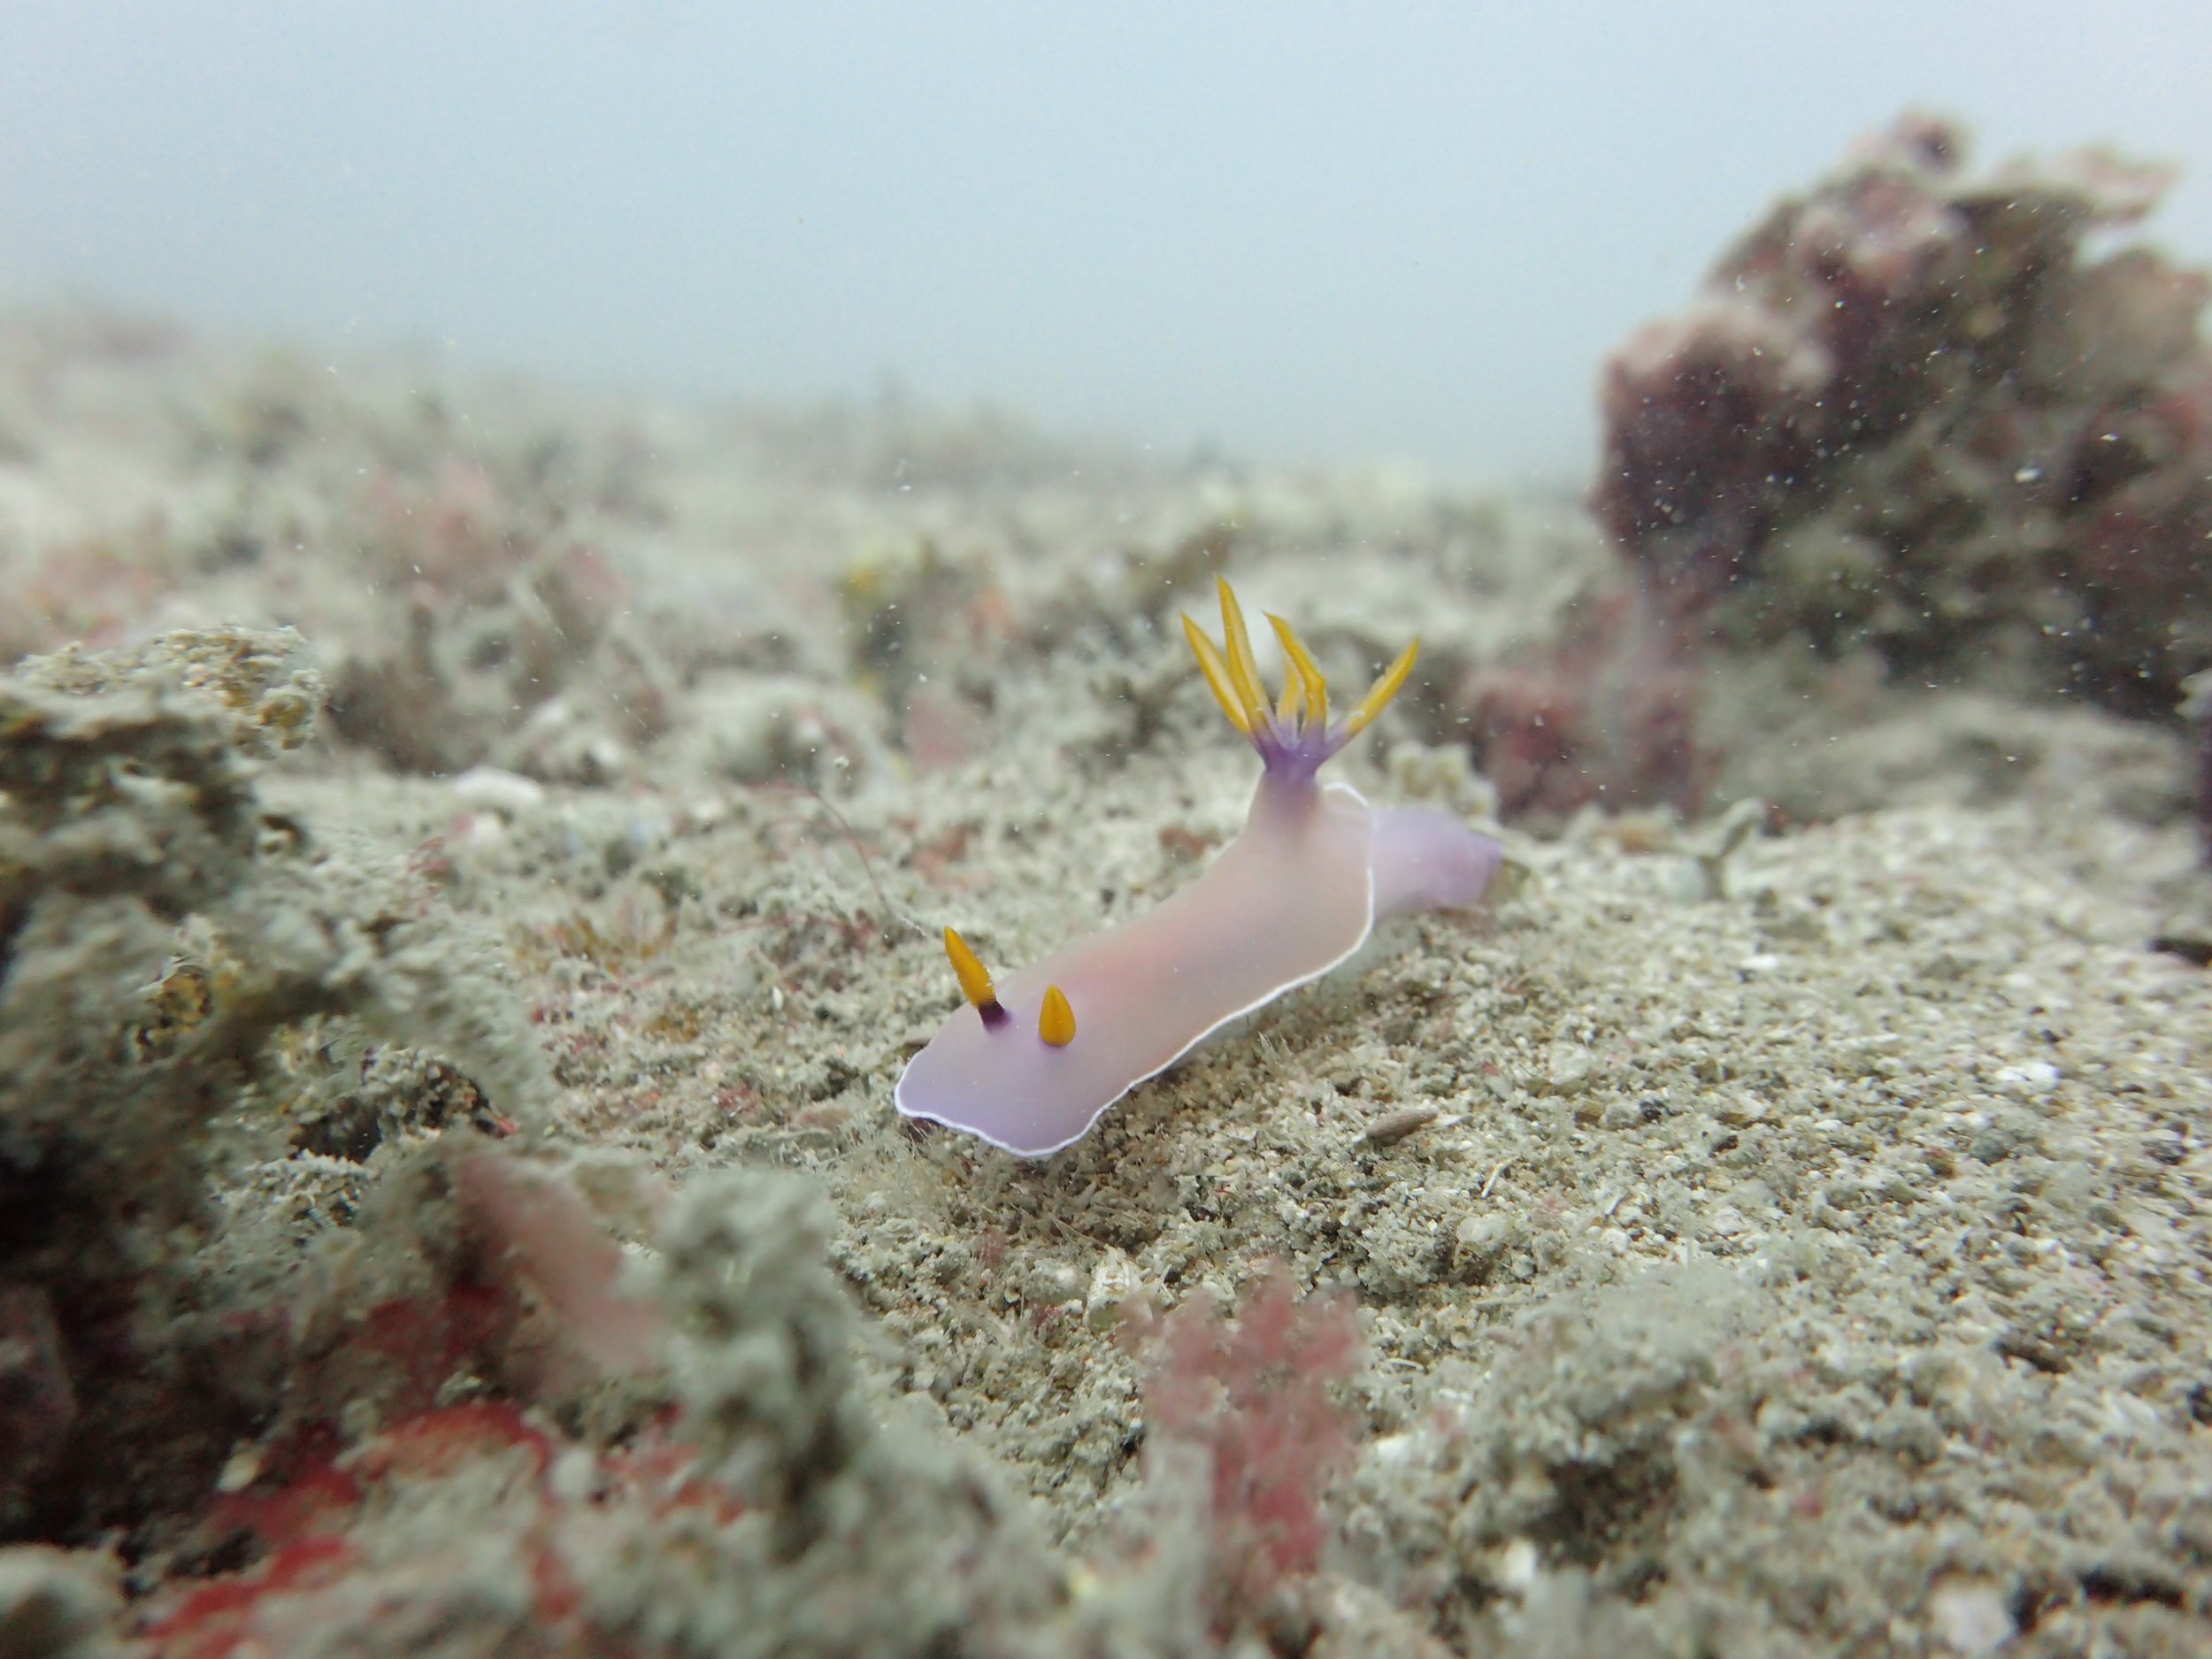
1297,232
584,587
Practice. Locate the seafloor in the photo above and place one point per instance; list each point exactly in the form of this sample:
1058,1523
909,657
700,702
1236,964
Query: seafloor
1799,1248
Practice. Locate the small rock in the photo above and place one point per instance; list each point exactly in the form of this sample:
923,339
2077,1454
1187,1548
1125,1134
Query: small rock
1970,1616
1396,1126
1486,1233
1515,1566
1570,1067
1054,1283
1622,1114
2031,1076
489,789
1114,1283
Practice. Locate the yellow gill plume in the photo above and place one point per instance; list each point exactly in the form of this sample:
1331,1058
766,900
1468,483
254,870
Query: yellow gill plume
1393,681
1217,673
1236,641
1232,676
1302,672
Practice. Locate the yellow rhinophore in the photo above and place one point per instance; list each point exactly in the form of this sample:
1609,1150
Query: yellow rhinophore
967,967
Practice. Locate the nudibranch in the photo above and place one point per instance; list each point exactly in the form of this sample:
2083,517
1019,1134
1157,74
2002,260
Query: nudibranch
1032,1062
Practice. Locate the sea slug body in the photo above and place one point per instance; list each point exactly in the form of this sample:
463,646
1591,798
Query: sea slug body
1031,1062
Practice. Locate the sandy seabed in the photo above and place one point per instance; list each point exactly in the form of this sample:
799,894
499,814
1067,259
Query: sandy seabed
1785,1234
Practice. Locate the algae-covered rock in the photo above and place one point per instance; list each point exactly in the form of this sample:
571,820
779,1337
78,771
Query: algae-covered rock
162,937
